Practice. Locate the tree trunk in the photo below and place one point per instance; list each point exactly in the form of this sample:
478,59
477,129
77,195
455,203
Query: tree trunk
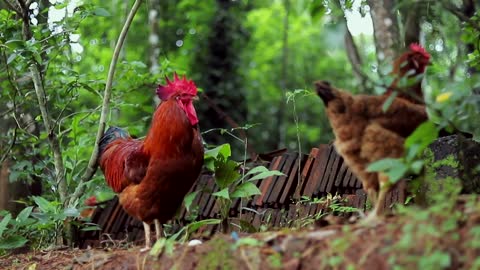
386,33
217,65
154,37
4,187
412,23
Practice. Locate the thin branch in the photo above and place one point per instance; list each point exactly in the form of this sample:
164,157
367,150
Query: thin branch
353,53
460,15
27,33
14,6
52,137
92,163
355,59
14,140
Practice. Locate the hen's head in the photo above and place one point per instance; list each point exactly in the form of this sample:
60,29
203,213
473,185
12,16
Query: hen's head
416,59
183,91
91,201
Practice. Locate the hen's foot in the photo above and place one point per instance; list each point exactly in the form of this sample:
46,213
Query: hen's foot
144,249
372,220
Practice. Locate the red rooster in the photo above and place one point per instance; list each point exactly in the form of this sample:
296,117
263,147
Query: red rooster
412,64
153,175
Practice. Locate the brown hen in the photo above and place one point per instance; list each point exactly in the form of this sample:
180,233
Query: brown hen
365,133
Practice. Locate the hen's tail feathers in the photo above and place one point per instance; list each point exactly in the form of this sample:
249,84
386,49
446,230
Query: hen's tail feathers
324,91
110,135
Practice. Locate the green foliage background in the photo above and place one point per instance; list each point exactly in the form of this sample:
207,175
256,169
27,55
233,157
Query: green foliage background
249,84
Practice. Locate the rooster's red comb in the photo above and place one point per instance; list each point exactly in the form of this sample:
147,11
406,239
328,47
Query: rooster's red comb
182,86
417,48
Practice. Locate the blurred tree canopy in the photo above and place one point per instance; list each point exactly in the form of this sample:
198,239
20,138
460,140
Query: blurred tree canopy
246,56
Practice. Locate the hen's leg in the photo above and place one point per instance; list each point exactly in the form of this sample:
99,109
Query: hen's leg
148,244
384,188
379,143
378,201
158,228
371,219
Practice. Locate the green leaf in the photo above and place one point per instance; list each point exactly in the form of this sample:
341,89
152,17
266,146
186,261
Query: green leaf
158,247
417,166
163,244
226,173
23,215
3,224
383,164
244,190
209,164
425,134
101,12
389,101
11,58
258,169
188,200
266,174
71,212
412,152
44,205
192,227
37,57
60,6
247,241
223,149
317,10
222,193
13,241
396,173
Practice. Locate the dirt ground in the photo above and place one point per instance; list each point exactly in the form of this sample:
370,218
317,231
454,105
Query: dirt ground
443,238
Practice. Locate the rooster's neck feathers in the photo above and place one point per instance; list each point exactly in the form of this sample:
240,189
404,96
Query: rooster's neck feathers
170,129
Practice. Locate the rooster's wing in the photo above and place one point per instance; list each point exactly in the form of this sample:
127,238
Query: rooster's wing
124,163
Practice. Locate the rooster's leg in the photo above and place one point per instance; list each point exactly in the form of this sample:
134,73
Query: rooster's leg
158,228
148,244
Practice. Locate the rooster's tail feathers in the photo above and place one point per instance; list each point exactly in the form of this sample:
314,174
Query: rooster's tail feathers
324,91
110,135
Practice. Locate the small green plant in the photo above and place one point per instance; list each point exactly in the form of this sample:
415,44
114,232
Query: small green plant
167,244
38,226
231,183
14,232
330,205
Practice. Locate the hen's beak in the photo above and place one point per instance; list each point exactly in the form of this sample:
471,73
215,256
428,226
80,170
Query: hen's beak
415,63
